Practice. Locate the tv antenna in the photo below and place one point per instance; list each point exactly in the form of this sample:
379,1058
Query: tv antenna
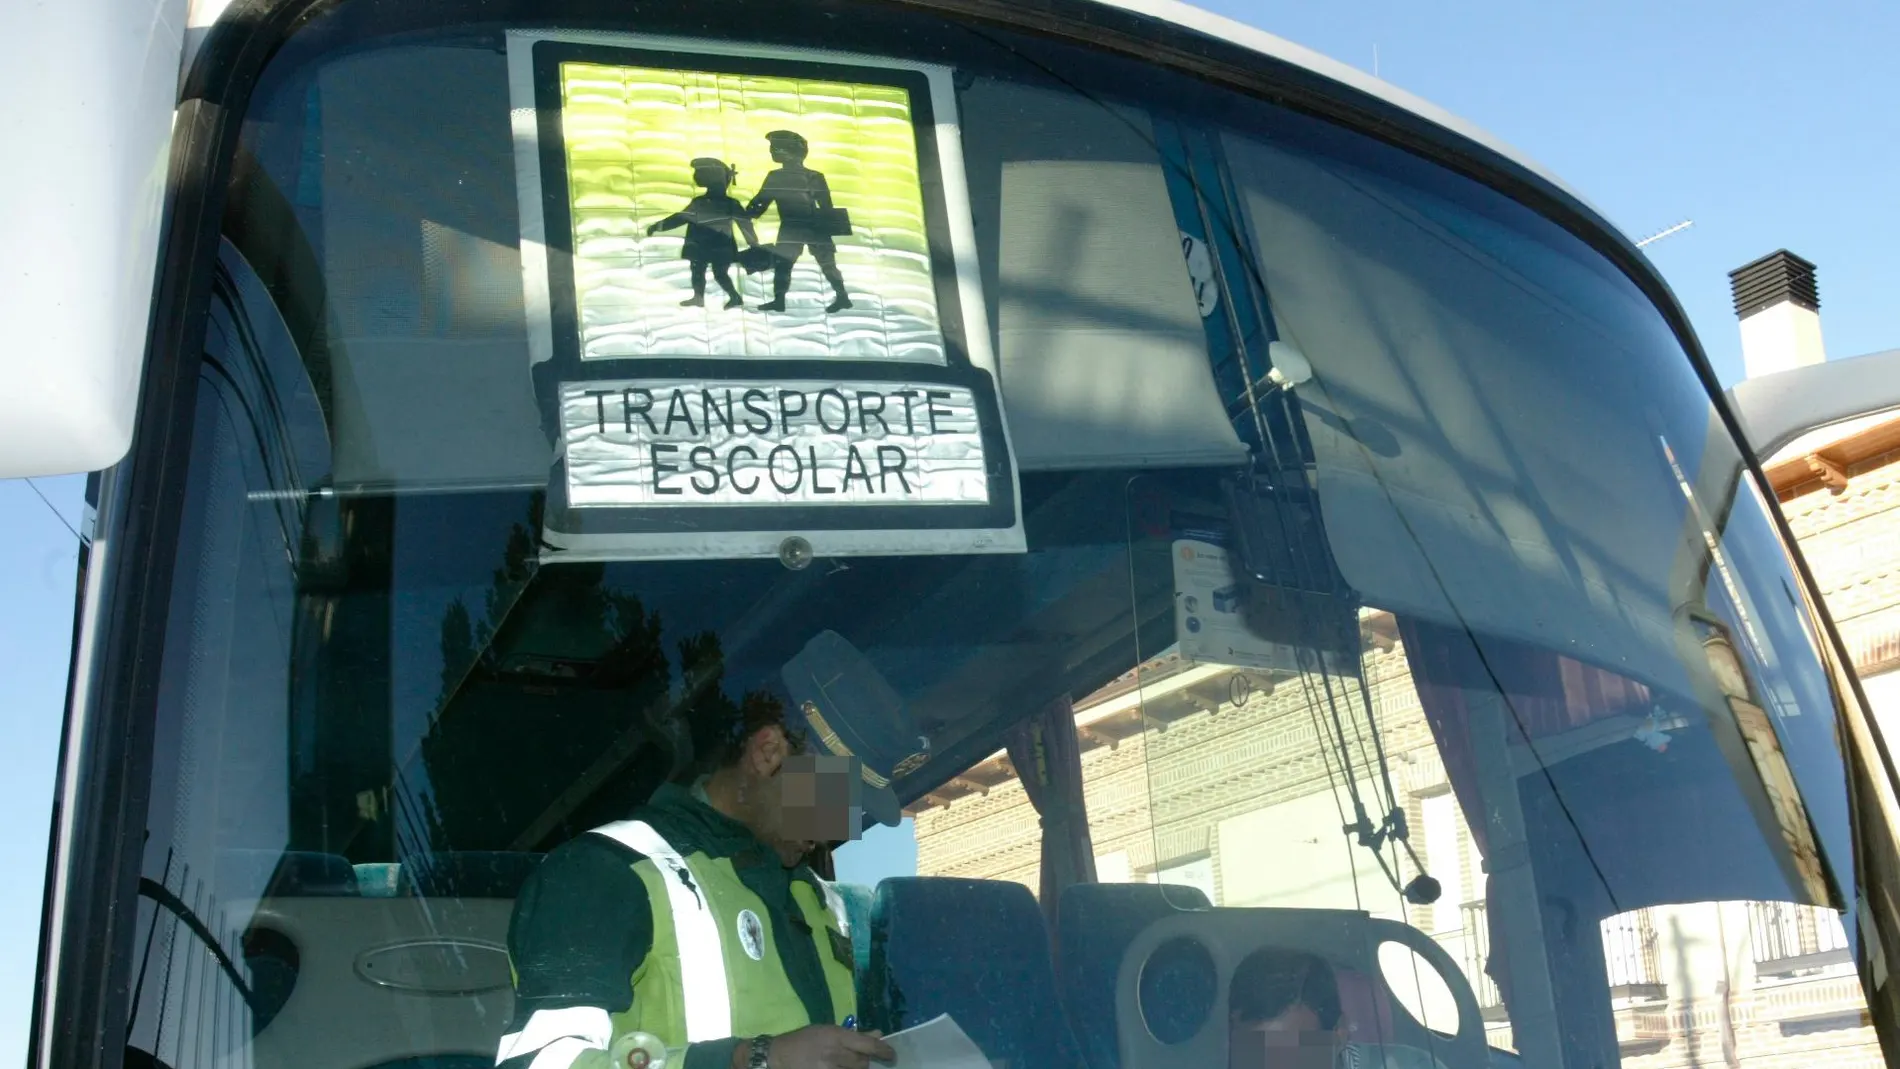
1665,232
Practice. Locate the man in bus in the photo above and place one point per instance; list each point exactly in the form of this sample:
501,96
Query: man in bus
695,932
1284,1012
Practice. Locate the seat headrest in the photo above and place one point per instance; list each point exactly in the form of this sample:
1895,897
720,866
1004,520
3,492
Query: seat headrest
468,874
243,873
1098,921
307,874
1093,905
977,950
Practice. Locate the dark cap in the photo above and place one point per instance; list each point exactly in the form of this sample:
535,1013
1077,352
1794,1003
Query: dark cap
848,709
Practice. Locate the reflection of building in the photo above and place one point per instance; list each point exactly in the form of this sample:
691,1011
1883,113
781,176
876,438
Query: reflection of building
1839,486
1840,489
1849,531
1173,768
1218,778
1245,802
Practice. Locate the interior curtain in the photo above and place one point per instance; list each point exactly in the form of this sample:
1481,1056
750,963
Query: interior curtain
1048,760
1547,692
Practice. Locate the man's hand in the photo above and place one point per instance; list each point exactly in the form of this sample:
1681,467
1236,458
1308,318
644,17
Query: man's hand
827,1046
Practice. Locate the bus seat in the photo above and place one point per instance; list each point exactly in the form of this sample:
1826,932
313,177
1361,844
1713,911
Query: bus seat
1097,923
382,963
309,874
857,911
1218,940
468,874
977,950
378,879
242,874
373,981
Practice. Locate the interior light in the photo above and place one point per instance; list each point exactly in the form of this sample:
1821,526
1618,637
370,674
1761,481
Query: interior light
1290,366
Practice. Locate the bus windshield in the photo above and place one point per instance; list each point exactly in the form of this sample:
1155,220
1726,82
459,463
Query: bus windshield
1286,556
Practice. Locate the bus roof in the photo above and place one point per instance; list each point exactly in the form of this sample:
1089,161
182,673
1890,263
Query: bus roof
1222,28
114,136
1208,24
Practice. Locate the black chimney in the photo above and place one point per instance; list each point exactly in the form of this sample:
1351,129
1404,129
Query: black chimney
1776,277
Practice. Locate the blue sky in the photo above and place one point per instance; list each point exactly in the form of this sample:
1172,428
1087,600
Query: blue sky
38,560
1770,126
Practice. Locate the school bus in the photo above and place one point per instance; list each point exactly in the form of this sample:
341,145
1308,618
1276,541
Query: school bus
482,395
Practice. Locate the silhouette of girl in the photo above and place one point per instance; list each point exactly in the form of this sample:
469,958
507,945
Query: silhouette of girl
708,219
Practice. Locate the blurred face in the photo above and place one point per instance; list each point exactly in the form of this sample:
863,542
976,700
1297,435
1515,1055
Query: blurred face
809,799
819,798
1293,1040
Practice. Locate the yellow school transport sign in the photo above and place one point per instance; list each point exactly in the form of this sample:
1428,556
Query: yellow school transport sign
753,301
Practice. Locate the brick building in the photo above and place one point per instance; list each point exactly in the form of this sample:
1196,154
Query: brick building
1223,779
1840,489
1838,484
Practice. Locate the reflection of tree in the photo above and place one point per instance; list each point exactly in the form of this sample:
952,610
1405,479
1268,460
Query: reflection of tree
559,707
567,672
714,720
463,640
458,649
518,563
635,654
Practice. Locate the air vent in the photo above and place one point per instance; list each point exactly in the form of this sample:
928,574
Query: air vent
1777,277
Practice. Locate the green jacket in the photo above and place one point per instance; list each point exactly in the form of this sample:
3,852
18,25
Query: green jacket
610,936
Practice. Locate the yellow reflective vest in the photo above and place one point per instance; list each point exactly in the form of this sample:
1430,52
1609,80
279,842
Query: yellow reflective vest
713,970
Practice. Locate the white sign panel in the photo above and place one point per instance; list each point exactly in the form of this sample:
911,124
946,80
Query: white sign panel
671,443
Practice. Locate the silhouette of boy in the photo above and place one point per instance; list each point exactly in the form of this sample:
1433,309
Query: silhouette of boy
801,195
708,219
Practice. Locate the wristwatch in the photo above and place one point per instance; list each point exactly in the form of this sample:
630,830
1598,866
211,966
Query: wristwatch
758,1052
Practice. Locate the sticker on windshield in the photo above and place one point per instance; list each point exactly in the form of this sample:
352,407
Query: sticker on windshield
1200,264
1211,612
753,302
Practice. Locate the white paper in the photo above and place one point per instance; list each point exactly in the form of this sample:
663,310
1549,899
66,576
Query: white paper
936,1044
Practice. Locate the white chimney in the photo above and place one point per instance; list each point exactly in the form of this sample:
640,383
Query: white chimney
1780,309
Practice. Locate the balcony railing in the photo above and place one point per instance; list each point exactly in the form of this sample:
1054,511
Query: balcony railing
1477,946
1629,955
1790,938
